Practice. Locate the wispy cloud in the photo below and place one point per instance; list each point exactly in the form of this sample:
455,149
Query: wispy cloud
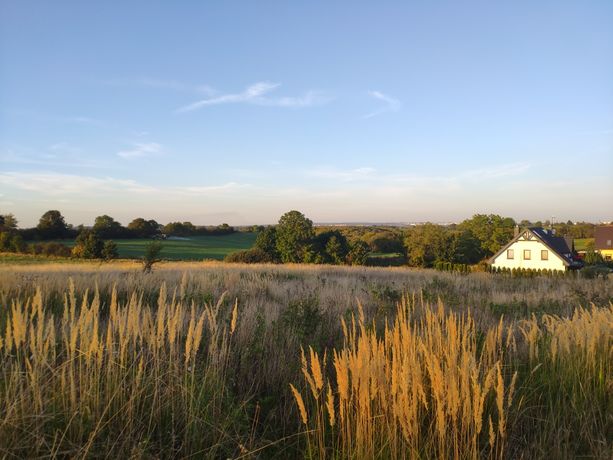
60,184
390,104
141,149
357,174
371,176
51,183
257,94
502,170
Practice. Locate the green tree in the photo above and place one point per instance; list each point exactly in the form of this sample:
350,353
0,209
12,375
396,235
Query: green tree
179,229
17,244
52,225
109,251
142,228
151,256
88,245
492,231
294,234
5,242
466,249
358,253
107,227
266,241
249,256
428,243
8,222
333,247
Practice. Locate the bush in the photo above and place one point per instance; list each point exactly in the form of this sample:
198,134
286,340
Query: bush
109,251
249,256
50,249
152,251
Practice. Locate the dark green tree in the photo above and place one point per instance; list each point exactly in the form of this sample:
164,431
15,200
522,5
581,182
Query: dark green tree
88,245
358,254
492,231
151,256
142,228
266,241
294,234
17,243
8,222
107,227
52,225
428,243
109,251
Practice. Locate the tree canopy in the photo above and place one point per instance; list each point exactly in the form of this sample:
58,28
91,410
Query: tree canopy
52,225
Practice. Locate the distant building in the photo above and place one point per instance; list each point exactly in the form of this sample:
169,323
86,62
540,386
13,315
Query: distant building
603,241
536,249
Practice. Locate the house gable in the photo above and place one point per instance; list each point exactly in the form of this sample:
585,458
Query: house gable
530,239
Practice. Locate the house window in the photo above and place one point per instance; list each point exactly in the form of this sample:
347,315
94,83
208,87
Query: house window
527,254
510,254
608,242
544,254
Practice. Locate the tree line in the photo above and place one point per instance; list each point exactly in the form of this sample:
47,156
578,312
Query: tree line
294,239
94,242
428,245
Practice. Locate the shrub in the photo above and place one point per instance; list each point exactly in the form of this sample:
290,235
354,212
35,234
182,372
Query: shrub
152,251
249,256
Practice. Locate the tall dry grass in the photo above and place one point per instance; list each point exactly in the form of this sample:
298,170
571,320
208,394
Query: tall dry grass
114,378
105,361
425,388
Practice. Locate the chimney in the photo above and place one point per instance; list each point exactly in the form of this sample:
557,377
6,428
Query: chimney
516,231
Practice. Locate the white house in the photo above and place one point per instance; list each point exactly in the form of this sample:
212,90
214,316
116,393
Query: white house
536,249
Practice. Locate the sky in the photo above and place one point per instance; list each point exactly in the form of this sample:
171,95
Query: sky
348,111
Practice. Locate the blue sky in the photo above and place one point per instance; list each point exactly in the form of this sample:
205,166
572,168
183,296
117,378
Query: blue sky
348,111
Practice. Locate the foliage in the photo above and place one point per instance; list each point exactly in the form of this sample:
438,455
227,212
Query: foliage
266,241
294,233
358,253
593,257
152,251
142,228
52,225
249,256
8,223
109,251
428,243
492,231
50,249
88,245
106,227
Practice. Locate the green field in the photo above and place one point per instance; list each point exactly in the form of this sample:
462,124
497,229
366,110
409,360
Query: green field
582,243
189,248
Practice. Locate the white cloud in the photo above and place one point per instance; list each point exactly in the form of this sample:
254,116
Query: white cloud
257,94
390,104
343,175
492,172
51,183
141,149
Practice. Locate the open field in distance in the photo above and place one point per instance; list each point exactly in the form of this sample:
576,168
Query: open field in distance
199,247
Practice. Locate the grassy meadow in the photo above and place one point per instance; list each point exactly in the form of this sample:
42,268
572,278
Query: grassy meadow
211,360
198,247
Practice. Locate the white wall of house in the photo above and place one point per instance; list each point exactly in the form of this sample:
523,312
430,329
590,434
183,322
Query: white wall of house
535,263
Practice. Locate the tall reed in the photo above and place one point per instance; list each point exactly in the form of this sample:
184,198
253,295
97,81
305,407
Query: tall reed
149,376
425,388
